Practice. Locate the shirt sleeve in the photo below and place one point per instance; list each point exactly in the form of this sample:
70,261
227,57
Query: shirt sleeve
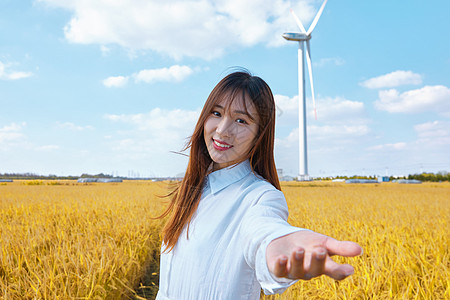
265,221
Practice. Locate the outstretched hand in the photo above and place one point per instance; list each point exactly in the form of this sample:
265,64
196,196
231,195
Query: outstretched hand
306,254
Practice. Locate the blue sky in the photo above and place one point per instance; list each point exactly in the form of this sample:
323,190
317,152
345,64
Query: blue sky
116,86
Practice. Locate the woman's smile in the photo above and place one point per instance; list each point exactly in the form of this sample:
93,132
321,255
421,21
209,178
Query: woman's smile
221,146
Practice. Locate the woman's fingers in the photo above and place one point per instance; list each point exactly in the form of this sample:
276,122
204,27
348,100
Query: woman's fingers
342,248
297,264
318,259
313,266
319,264
337,271
280,267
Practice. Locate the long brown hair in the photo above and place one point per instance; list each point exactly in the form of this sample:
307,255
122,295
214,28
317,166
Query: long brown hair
185,198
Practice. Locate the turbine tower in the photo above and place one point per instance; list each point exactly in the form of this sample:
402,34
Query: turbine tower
301,38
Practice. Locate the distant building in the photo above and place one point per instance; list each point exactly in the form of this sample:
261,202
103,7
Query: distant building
408,181
286,178
338,180
383,179
84,180
361,181
109,180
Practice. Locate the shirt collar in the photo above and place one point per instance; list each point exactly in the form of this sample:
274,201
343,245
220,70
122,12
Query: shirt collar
220,179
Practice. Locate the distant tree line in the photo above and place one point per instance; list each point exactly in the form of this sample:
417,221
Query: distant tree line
32,176
356,177
439,176
432,177
101,175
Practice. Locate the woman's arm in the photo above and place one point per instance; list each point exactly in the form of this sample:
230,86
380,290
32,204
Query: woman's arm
306,254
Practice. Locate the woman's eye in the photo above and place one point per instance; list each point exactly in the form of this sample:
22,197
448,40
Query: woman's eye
216,113
242,121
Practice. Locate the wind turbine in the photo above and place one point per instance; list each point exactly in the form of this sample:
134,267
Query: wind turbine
301,38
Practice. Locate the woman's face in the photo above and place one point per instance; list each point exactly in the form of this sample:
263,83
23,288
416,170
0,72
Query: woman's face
230,132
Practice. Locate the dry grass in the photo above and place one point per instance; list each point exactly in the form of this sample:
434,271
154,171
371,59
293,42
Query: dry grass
62,240
77,241
403,229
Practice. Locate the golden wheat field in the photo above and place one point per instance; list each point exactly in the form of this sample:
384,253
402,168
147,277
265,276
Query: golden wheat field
67,240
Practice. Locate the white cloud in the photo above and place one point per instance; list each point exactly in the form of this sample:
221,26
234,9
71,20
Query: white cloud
175,73
337,61
330,134
434,133
393,79
73,127
171,27
289,141
48,148
159,122
329,147
341,125
325,136
339,133
157,119
149,139
158,129
286,105
115,81
341,141
11,135
340,110
329,110
105,50
7,74
429,98
389,147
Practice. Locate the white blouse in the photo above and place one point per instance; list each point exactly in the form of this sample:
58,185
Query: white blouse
239,214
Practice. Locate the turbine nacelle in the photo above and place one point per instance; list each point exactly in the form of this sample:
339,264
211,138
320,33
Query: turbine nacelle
296,36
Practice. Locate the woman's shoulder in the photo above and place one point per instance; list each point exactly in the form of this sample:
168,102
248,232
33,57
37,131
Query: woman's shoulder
258,184
261,193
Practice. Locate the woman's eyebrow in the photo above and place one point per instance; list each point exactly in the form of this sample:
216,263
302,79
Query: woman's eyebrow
242,112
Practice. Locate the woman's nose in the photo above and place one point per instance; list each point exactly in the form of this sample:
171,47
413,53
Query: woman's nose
224,127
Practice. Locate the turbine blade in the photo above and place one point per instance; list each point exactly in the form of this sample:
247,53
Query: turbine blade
308,60
316,19
299,23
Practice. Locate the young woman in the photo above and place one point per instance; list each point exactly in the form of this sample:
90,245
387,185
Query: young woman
227,235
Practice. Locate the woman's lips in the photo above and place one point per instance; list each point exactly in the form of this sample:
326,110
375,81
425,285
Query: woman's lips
221,146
